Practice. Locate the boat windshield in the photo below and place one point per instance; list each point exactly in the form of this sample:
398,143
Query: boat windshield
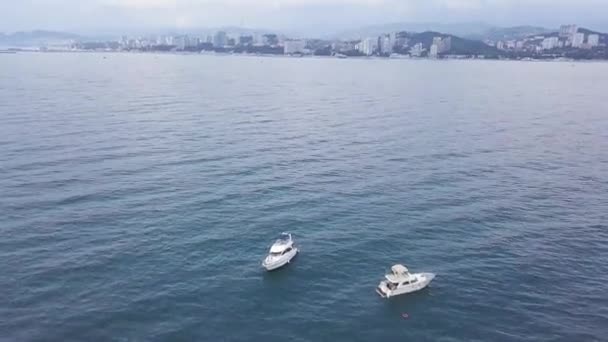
286,250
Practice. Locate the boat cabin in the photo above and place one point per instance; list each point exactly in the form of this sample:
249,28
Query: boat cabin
278,250
399,276
282,246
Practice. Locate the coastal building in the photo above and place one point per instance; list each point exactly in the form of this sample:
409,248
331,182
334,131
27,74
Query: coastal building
294,46
281,39
192,42
232,39
161,40
180,42
349,46
141,43
417,50
567,31
368,46
443,44
446,44
341,46
433,51
550,43
500,45
271,39
385,44
436,41
401,40
245,40
593,40
220,39
578,39
258,39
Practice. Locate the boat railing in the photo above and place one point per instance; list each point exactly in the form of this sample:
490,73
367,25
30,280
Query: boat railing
285,237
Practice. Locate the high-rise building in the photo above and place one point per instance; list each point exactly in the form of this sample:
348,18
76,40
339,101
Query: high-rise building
437,41
220,39
446,44
567,31
294,46
593,40
550,43
368,46
433,51
443,44
578,39
401,40
385,44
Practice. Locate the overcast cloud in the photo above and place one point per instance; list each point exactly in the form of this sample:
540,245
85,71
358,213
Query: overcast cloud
292,15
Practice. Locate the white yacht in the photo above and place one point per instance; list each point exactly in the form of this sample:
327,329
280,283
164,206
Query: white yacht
281,253
401,281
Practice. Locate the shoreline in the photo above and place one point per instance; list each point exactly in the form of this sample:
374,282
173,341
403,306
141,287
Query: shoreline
220,54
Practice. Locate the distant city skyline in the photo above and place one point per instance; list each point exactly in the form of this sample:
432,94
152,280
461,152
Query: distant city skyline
569,42
306,17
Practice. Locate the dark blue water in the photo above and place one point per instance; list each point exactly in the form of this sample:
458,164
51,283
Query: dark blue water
139,195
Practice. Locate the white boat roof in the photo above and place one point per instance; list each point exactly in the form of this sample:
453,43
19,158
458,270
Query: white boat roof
399,274
397,269
398,278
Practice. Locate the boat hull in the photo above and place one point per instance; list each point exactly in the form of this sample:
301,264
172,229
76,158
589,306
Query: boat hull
271,264
424,279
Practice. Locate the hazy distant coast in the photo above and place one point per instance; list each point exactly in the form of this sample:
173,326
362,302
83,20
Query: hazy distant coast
569,42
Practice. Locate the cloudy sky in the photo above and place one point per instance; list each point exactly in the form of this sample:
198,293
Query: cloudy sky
291,15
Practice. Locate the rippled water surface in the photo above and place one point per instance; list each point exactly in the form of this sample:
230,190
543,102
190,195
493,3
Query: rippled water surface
139,194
